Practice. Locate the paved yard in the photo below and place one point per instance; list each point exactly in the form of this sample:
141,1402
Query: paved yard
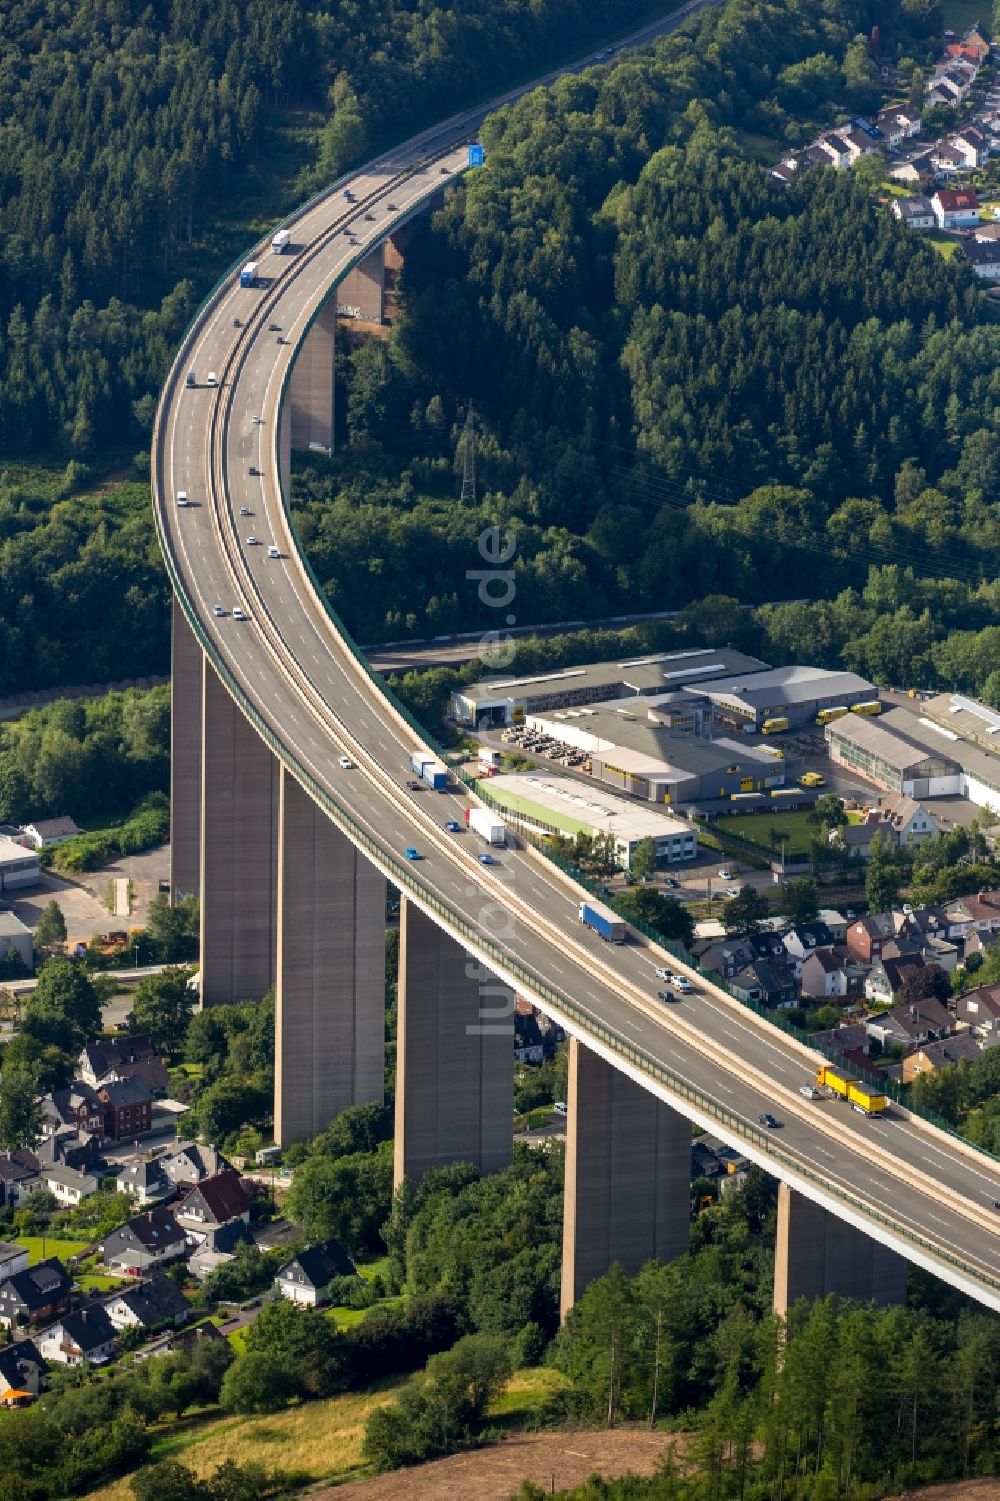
85,914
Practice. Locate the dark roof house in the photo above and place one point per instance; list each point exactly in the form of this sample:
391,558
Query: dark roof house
148,1305
39,1293
306,1277
144,1241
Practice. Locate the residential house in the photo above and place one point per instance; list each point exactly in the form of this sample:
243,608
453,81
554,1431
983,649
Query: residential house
19,1176
88,1334
802,941
962,1048
22,1372
211,1204
306,1277
984,259
834,922
39,1293
850,1038
124,1058
912,1023
972,46
128,1109
916,169
144,1180
45,832
216,1246
987,234
955,208
972,146
770,982
529,1044
178,1339
980,913
911,821
69,1186
13,1258
785,170
915,212
148,1305
189,1163
836,148
979,1010
148,1240
859,143
888,975
72,1148
76,1107
897,124
831,974
867,935
856,839
942,91
947,161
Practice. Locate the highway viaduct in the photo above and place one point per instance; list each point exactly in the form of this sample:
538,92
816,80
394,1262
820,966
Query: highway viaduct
291,810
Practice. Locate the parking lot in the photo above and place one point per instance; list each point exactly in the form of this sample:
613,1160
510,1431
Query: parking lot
534,743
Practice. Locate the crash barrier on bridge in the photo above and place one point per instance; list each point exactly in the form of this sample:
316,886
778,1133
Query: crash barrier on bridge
900,1093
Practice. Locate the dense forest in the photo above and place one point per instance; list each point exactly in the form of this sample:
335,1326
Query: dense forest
134,136
688,382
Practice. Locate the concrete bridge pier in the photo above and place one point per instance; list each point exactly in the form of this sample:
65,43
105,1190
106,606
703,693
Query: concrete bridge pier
628,1175
239,852
454,1055
330,991
311,389
187,668
817,1254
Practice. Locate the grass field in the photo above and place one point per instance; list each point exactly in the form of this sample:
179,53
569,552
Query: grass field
38,1249
959,15
318,1441
794,825
944,244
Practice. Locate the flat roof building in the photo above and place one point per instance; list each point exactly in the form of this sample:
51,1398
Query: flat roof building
18,866
631,750
893,760
499,700
560,805
793,693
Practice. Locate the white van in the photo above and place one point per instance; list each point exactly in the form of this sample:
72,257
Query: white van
182,498
211,379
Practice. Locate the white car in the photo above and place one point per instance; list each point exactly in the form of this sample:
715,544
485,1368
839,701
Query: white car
253,542
218,611
346,763
211,379
273,552
725,874
810,1091
239,613
732,891
560,1107
182,498
680,982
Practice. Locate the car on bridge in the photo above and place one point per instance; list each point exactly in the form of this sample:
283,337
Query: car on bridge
768,1120
487,859
217,610
665,995
239,613
345,762
453,826
245,511
412,853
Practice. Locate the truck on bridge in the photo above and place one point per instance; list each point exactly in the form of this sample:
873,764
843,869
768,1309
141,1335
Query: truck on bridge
605,923
861,1096
433,772
486,824
248,276
281,241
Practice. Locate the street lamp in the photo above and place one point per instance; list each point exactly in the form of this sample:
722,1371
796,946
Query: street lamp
135,947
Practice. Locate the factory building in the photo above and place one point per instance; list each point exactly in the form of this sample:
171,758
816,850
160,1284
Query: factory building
797,694
888,754
18,866
558,805
500,701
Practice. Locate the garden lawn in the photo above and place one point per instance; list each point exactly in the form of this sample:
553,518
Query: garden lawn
794,824
64,1249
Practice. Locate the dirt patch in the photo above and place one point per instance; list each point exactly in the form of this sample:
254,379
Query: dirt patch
563,1458
955,1490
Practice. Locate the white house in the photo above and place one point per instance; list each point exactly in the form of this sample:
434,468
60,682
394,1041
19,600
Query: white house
955,208
898,124
836,148
983,258
971,145
306,1277
915,212
88,1334
67,1184
48,831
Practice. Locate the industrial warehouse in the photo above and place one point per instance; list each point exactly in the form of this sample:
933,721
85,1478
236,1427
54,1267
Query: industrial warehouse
784,697
500,701
941,750
556,805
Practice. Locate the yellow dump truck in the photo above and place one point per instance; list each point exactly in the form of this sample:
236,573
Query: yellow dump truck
869,1101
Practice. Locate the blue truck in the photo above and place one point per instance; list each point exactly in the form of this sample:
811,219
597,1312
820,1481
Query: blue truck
248,276
433,772
605,923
